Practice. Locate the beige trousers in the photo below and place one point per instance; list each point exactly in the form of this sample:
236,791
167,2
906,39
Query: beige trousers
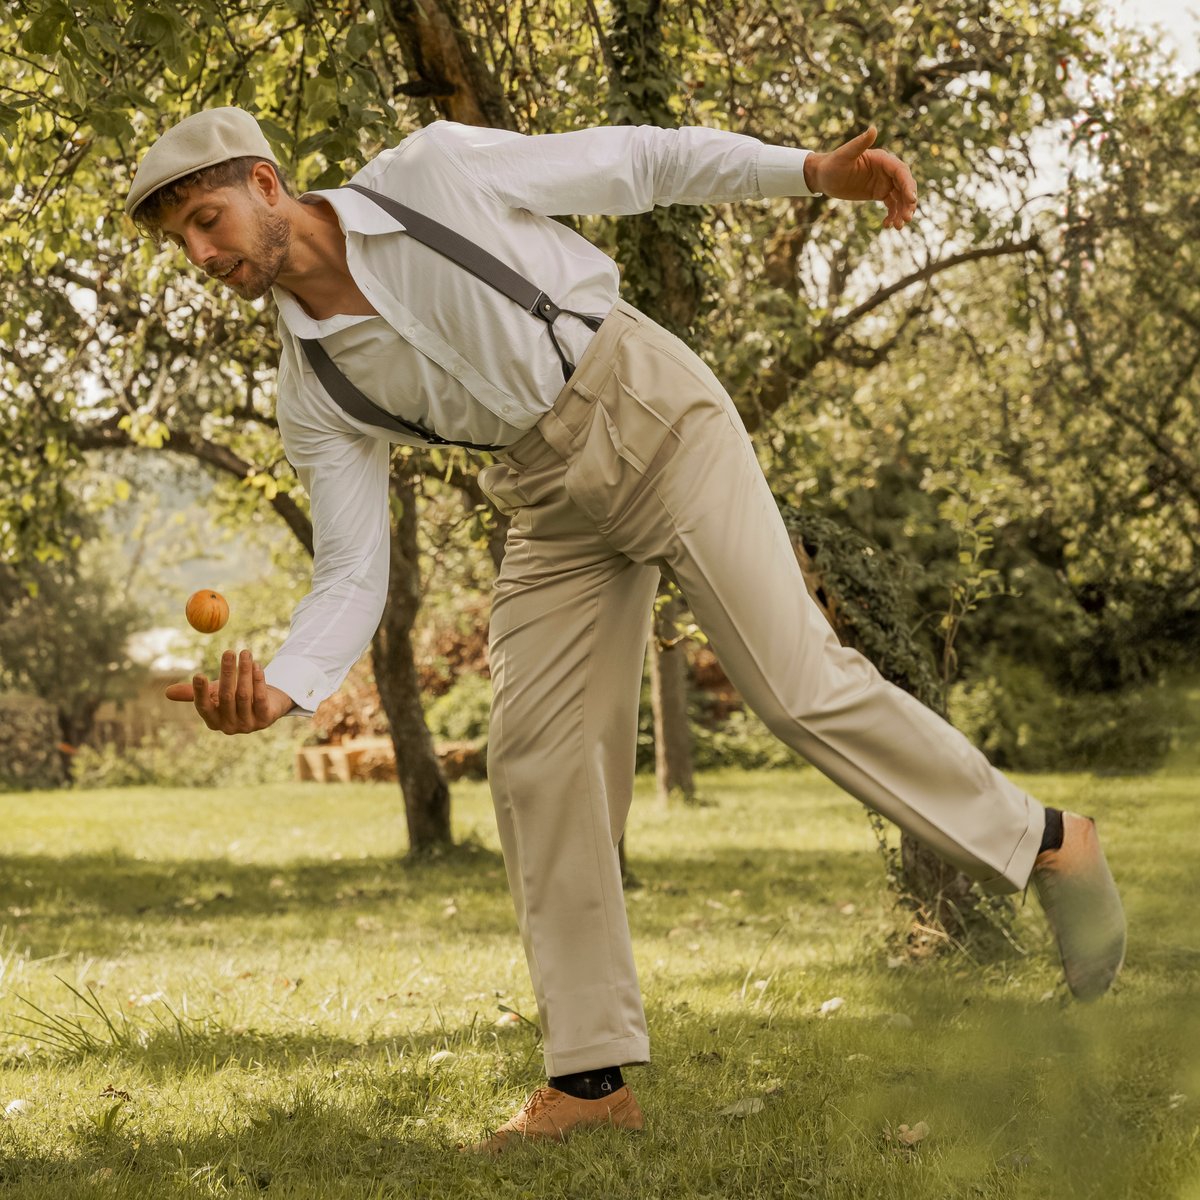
643,466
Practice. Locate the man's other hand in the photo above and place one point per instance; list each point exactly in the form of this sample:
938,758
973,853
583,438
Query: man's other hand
856,172
240,702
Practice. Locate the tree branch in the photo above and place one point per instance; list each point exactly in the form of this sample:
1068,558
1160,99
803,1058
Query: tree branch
108,435
927,272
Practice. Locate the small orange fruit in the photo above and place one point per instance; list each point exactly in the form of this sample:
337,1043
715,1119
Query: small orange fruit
207,611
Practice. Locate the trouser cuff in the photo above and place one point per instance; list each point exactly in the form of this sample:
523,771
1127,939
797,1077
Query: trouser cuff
624,1052
1016,873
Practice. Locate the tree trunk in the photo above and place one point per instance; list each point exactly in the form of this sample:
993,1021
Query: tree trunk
426,793
665,273
77,722
442,67
449,80
665,254
673,766
944,891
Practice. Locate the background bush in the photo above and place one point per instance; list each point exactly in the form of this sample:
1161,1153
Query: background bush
741,740
461,715
171,759
1014,715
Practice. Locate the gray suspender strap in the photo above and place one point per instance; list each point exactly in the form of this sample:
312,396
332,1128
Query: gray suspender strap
483,266
362,408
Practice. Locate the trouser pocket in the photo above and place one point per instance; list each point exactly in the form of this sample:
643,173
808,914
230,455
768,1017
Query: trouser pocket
502,485
653,397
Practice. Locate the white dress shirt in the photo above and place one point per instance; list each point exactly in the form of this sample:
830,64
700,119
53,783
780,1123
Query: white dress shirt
449,352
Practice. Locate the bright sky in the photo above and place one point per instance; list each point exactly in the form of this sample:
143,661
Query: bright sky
1177,17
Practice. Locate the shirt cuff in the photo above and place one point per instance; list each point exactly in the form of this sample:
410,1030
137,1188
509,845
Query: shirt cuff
781,171
306,684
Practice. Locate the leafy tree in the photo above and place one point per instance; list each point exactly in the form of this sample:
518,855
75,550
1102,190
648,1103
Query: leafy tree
64,625
1121,312
104,344
1073,371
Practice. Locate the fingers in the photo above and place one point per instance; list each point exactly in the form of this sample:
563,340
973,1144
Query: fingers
227,704
237,702
898,209
857,172
898,190
856,146
244,692
262,707
204,701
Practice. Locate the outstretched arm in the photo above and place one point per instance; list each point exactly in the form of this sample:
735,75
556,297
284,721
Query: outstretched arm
631,168
856,172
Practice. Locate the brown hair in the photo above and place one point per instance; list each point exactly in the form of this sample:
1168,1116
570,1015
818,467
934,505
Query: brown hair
233,172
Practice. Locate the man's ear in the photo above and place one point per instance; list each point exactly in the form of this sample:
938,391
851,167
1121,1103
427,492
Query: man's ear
265,182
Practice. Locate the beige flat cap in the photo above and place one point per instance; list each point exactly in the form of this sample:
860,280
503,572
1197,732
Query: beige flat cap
198,141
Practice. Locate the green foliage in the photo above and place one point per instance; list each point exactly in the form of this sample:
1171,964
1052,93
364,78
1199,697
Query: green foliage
172,759
462,714
105,345
741,742
1064,344
644,86
872,606
30,757
1012,712
64,625
1123,387
968,510
666,254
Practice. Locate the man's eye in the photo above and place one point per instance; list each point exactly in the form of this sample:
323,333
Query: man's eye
209,223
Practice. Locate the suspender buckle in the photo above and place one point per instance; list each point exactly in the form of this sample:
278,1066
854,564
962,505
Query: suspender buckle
545,308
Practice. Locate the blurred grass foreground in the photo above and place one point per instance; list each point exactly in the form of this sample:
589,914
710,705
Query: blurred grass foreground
245,991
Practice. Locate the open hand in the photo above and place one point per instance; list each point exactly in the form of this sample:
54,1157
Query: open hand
856,172
241,702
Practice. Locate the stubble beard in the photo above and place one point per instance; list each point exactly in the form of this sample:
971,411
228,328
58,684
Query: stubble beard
260,269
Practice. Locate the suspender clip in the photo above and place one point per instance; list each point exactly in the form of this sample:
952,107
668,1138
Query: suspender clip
545,308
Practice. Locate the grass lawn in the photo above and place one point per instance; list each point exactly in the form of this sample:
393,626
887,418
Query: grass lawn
277,981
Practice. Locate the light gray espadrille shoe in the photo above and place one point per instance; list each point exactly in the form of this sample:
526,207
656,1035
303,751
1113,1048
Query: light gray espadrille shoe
1083,908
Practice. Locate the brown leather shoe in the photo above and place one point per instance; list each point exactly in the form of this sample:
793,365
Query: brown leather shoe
1083,908
550,1115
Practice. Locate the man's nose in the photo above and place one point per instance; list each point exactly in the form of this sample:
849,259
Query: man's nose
198,250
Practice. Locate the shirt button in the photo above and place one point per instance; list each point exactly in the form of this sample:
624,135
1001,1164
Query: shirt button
412,329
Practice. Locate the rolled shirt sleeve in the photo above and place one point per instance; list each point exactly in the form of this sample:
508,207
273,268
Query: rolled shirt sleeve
345,473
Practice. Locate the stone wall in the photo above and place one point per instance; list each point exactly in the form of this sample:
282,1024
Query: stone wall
29,744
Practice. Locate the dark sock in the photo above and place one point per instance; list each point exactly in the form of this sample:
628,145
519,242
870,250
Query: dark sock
589,1085
1052,835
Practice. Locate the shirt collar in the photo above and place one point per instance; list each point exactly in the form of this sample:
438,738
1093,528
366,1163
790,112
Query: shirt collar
356,213
302,325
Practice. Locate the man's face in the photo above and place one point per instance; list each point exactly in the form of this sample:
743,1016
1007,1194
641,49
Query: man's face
233,234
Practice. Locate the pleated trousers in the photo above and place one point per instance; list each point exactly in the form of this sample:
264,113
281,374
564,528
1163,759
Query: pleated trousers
641,467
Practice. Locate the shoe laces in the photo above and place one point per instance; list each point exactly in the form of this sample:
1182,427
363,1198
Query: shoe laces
543,1098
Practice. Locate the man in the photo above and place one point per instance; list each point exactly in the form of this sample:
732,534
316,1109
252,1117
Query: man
618,456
